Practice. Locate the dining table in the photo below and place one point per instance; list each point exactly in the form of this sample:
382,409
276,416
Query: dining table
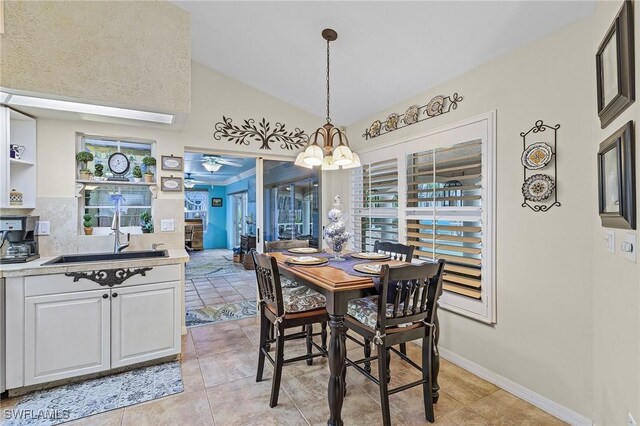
339,283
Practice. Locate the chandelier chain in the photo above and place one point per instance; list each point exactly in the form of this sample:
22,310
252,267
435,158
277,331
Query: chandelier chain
328,115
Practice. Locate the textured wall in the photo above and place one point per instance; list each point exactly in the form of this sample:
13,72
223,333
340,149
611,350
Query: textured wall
132,53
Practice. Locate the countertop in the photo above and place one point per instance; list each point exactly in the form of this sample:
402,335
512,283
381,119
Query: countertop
35,267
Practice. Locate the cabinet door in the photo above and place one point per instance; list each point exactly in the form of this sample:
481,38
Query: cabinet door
66,335
145,322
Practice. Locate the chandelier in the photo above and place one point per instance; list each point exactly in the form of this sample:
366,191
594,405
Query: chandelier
320,149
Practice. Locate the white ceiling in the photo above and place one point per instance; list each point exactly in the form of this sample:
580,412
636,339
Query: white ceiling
386,51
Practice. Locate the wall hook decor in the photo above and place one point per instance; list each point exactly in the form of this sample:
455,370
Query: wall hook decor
263,132
540,187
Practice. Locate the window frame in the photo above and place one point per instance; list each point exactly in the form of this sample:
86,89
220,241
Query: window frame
481,127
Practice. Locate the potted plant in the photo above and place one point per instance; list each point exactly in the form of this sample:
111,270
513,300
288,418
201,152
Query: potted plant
87,222
236,254
146,222
148,176
137,173
99,171
149,161
83,157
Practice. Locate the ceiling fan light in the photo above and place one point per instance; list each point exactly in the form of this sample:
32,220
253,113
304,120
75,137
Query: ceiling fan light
355,163
313,155
189,183
211,166
342,156
327,163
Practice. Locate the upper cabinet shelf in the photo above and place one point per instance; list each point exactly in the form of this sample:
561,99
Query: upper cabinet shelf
17,159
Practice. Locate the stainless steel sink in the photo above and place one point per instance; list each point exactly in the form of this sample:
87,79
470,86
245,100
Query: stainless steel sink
99,257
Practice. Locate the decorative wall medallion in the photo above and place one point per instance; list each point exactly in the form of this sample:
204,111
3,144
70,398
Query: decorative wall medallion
391,123
411,114
108,277
263,132
538,188
374,129
536,156
438,105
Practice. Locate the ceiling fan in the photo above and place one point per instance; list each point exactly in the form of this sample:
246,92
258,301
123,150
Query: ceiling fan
213,163
190,181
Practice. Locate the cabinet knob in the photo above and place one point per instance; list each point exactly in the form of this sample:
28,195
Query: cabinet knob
114,295
105,296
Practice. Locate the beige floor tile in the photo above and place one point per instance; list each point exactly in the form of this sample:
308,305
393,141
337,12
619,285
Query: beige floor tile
110,418
188,348
253,334
223,341
463,416
182,409
229,366
463,385
503,408
233,298
244,322
192,376
213,301
230,292
254,409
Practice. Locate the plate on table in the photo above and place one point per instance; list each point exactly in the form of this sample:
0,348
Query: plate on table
306,260
303,250
370,256
368,268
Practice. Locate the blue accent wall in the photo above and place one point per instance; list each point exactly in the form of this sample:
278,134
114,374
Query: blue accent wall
216,234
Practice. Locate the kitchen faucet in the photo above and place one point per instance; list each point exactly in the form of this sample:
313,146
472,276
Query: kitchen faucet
117,246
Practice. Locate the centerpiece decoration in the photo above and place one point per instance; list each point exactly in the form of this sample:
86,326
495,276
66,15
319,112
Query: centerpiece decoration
335,233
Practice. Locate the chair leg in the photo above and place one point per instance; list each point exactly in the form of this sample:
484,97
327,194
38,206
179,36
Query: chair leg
309,345
277,370
323,335
270,336
388,365
367,354
265,325
403,348
427,391
383,375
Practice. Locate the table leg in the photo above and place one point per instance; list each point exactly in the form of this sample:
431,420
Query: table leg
435,363
337,354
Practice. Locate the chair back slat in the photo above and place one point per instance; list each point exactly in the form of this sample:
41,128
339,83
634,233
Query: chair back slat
397,251
417,289
268,279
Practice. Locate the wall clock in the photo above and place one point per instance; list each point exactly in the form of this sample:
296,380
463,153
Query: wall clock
119,165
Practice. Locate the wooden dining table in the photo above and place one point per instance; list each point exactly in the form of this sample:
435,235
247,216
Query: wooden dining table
339,287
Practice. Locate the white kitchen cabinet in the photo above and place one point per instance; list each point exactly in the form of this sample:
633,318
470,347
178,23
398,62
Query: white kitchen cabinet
17,173
145,323
66,335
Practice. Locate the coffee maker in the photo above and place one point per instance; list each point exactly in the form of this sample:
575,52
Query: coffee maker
18,239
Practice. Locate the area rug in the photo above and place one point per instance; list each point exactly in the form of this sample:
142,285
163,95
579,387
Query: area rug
209,263
78,400
220,313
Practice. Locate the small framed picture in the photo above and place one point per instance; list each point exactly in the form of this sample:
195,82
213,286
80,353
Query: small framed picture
616,180
216,202
171,183
615,70
169,162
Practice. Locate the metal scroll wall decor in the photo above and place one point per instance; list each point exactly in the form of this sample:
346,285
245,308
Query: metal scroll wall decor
540,162
438,105
262,132
108,277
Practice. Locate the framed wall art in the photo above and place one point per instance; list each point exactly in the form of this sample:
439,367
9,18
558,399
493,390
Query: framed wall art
615,69
171,183
169,162
616,180
216,202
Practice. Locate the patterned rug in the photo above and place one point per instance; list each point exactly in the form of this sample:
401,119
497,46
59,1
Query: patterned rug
209,263
77,400
220,313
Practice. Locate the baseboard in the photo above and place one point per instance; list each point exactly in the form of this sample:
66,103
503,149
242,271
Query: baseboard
544,403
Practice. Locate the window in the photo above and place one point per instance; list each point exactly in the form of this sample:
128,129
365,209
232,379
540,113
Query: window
96,198
436,192
196,203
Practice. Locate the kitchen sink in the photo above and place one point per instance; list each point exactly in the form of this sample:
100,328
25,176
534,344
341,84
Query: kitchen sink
99,257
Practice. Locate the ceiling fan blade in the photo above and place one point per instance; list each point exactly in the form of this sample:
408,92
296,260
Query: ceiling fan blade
228,162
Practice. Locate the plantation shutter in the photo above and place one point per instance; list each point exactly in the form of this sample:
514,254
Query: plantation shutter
444,205
375,204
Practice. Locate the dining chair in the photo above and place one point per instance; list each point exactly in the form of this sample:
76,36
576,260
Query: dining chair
411,316
281,309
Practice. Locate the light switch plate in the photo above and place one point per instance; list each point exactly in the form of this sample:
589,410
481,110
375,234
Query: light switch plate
628,246
167,225
610,240
43,227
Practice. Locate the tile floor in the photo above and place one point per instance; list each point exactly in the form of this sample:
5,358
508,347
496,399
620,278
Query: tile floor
219,364
234,287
